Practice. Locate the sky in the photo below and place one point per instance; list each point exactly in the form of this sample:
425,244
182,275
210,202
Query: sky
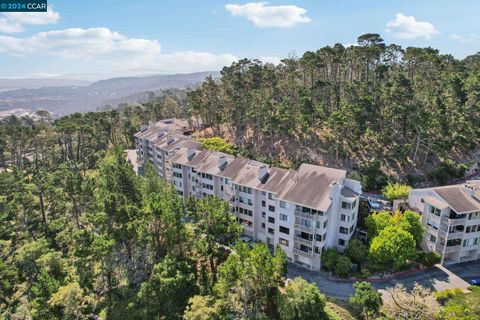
91,36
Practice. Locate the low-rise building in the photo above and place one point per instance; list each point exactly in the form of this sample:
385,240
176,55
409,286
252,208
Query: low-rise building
303,211
451,216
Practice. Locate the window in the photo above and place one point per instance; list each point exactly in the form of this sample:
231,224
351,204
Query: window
271,219
433,238
221,188
263,214
283,217
177,174
432,224
207,186
304,222
271,196
284,230
343,230
283,242
263,225
341,242
264,204
245,211
318,250
271,208
474,215
343,217
264,193
284,205
346,205
245,189
325,224
271,231
435,211
470,242
207,176
250,202
176,165
318,237
180,193
351,229
318,225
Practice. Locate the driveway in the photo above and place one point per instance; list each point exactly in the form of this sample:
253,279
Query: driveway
437,278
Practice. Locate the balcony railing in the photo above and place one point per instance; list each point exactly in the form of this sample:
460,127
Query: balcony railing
302,253
303,241
303,228
304,215
452,249
453,222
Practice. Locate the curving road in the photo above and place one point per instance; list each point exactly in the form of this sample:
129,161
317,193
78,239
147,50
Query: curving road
437,278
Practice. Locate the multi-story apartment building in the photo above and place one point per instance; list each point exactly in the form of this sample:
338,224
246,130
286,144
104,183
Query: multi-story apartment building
303,211
451,216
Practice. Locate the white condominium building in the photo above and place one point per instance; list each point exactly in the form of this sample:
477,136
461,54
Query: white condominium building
451,216
303,211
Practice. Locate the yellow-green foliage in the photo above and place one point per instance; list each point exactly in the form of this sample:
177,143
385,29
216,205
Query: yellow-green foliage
217,144
394,191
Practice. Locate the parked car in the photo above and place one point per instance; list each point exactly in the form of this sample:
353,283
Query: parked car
475,282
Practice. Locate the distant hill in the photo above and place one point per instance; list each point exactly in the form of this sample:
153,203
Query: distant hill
33,83
69,98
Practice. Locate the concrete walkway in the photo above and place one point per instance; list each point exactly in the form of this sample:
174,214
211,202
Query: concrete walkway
437,278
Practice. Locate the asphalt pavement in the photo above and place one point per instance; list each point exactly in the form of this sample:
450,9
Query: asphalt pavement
437,278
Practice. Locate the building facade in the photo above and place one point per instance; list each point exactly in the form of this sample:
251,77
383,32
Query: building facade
451,216
303,211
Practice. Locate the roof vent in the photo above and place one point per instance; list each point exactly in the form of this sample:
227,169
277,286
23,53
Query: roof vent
160,134
170,139
143,128
262,173
191,153
222,163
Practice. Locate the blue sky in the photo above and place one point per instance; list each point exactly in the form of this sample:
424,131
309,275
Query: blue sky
185,36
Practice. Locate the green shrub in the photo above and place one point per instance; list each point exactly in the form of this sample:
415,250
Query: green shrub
445,295
329,258
366,273
217,144
343,266
394,191
429,259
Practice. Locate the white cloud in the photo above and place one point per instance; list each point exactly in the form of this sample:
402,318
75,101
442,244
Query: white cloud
466,39
102,45
273,60
265,16
11,22
407,27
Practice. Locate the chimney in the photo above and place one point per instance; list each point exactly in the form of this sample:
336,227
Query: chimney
222,163
191,153
333,188
170,138
262,172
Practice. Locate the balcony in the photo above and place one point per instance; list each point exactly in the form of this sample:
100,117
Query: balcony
304,215
453,222
303,241
452,249
302,253
303,228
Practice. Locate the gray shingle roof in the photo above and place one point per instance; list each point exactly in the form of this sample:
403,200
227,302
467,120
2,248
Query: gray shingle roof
458,199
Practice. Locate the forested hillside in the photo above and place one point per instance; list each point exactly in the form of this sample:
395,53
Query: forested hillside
83,237
389,112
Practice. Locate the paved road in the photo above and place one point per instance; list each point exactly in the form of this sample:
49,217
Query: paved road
437,278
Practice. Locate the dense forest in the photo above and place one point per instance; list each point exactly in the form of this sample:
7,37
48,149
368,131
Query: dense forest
387,112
